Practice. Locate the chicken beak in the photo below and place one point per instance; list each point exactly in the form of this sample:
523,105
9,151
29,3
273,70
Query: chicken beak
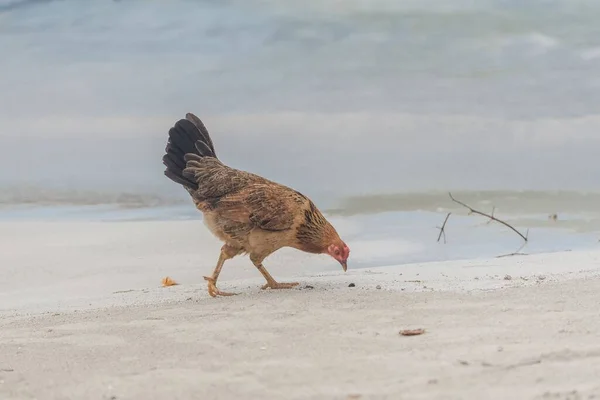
344,265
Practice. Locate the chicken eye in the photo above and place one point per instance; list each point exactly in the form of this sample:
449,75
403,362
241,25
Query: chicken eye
337,252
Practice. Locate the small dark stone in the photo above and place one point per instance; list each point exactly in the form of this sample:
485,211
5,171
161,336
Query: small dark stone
309,287
351,285
378,287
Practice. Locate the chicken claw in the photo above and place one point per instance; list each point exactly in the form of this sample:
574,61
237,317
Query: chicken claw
213,290
277,285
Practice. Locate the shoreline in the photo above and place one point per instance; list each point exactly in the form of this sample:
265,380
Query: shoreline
58,266
456,276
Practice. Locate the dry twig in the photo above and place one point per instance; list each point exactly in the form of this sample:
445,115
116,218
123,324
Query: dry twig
493,211
516,253
442,231
491,217
512,255
412,332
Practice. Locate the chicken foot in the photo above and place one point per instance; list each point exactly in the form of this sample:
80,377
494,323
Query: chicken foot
212,280
272,283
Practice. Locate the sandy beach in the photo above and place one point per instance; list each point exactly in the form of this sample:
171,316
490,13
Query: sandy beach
437,137
85,316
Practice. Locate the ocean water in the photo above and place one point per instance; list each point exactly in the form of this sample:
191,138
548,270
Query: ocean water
397,229
376,109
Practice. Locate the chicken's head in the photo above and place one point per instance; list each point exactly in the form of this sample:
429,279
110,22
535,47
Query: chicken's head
340,251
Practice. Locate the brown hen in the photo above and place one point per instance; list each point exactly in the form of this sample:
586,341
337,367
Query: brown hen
250,214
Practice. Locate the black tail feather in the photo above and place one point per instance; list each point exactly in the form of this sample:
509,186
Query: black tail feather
204,132
181,180
192,157
203,148
188,136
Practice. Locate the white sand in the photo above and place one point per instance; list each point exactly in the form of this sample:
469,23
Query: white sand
83,316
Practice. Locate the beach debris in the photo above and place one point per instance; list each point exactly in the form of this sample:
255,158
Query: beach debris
541,277
168,282
507,278
442,229
351,285
463,362
515,253
512,255
309,287
378,287
525,363
412,332
124,291
491,217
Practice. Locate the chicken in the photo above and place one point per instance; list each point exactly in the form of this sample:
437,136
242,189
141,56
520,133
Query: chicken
250,214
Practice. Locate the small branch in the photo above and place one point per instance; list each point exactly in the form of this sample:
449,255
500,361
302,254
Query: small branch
490,220
442,231
512,255
516,253
491,217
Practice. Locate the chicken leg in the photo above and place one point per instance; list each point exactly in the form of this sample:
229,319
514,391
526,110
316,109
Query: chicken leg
271,282
226,254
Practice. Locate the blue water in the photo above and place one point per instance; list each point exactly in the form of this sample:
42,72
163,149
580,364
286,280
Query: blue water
334,98
97,213
377,239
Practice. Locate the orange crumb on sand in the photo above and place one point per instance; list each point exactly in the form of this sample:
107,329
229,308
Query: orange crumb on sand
169,282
